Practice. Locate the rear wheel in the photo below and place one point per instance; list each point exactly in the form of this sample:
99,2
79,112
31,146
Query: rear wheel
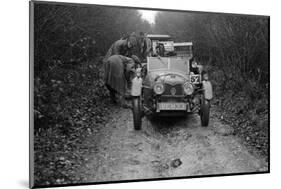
205,112
137,113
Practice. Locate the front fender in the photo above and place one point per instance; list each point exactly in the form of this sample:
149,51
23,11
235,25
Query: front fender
208,90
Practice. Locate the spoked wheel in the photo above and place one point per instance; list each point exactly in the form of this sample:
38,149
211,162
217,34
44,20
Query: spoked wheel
137,113
205,112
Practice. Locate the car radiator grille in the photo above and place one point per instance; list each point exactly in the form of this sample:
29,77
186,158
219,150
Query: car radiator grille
173,90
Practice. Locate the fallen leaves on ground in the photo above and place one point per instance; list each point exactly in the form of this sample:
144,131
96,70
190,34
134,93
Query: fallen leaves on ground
67,111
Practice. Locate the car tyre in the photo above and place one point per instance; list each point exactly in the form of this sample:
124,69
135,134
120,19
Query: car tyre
137,113
205,112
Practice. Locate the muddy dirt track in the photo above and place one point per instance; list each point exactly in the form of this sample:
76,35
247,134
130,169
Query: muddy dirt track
165,147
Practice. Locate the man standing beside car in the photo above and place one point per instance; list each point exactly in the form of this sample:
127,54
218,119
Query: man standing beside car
119,71
123,46
145,46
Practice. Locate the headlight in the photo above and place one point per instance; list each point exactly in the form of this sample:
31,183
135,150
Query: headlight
188,88
158,88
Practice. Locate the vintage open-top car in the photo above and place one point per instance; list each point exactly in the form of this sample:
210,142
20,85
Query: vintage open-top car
171,86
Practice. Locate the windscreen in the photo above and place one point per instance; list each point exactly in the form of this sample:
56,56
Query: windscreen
168,63
179,64
155,63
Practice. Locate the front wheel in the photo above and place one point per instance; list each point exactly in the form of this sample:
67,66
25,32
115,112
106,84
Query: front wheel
205,112
137,114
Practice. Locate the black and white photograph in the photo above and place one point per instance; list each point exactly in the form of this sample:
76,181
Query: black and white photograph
125,94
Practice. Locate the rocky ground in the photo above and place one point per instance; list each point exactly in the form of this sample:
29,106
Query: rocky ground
165,147
174,147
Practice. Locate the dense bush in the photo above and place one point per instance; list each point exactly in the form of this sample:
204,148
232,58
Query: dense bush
237,45
68,44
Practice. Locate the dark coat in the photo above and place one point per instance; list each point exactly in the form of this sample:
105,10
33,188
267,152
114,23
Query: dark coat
116,69
119,47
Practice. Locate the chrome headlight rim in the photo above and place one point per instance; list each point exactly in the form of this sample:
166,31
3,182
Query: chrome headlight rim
188,88
158,88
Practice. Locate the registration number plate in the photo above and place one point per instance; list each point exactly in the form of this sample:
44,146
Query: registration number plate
195,79
172,106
